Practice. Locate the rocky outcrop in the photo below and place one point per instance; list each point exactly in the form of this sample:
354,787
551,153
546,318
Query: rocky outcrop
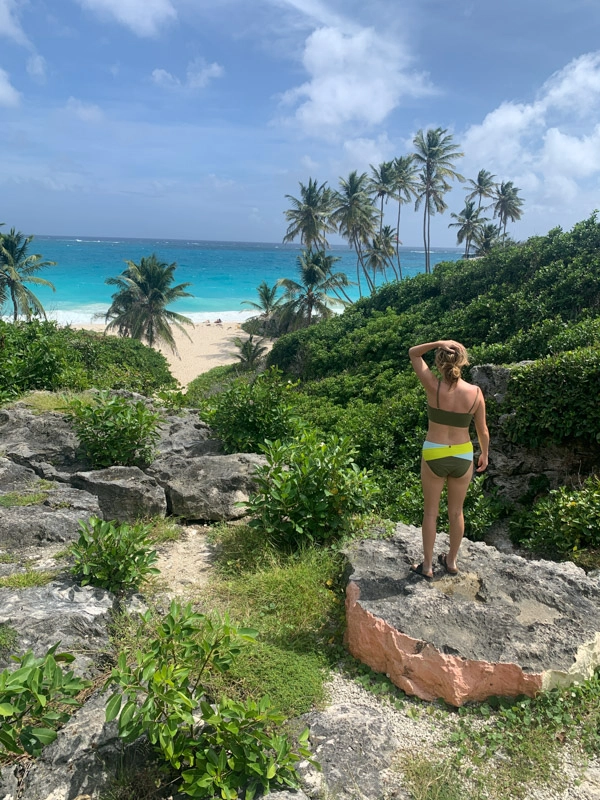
505,626
185,434
207,488
124,493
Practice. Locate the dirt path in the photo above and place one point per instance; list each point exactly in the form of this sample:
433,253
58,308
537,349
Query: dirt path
186,563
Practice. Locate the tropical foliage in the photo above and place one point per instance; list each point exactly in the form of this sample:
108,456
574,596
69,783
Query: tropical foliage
139,307
17,268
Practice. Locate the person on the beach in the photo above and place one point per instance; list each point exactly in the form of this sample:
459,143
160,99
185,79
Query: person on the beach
447,452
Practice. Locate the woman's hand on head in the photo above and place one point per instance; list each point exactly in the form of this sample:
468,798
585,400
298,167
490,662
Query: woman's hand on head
449,345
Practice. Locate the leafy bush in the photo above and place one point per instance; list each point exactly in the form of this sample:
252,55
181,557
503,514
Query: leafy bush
209,384
219,748
562,524
309,490
114,430
113,556
32,702
247,413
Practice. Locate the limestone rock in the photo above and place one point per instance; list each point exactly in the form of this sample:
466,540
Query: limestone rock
45,443
353,745
55,519
124,493
75,616
186,435
504,626
287,795
491,379
209,487
14,477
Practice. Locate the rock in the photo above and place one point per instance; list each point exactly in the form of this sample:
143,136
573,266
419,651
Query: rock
75,616
54,519
353,745
505,626
14,477
287,795
209,487
186,435
124,493
492,380
45,443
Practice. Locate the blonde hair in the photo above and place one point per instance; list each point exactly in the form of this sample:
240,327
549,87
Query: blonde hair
451,362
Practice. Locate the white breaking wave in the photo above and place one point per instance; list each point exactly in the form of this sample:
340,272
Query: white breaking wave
94,315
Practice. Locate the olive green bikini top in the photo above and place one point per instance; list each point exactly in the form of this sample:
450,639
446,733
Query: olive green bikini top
451,418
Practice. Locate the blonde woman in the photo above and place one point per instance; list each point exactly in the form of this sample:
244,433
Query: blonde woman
447,452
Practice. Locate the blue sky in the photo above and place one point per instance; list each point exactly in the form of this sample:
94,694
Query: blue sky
194,118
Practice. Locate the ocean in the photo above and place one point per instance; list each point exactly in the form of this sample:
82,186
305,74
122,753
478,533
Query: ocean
222,274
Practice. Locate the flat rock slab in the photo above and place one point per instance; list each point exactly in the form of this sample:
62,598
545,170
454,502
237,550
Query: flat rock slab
504,626
125,494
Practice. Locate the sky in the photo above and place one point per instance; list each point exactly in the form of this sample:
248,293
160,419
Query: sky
193,119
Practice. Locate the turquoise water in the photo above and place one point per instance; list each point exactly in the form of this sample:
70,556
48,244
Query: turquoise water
222,274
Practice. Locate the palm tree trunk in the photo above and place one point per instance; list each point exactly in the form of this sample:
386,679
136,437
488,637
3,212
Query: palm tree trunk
381,217
355,243
398,242
425,235
428,241
13,297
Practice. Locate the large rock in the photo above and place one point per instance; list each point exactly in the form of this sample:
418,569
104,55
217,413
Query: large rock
492,380
14,477
45,443
124,493
504,626
75,616
186,435
209,487
54,519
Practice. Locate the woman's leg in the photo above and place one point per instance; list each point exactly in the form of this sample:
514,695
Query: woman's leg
432,491
457,491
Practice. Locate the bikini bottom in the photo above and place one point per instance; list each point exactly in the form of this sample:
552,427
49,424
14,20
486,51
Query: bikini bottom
448,460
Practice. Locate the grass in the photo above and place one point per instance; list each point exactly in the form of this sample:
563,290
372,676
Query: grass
28,579
163,529
8,558
42,402
427,779
17,499
8,639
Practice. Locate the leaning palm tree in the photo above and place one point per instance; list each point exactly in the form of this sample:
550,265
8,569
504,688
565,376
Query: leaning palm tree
18,267
507,205
483,186
268,302
486,238
310,298
309,216
468,223
139,307
356,218
435,154
405,185
382,185
250,352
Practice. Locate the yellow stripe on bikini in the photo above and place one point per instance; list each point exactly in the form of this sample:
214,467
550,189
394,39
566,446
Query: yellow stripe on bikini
431,453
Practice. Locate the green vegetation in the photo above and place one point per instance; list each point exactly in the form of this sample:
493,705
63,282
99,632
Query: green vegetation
16,499
33,701
41,356
18,267
114,430
113,556
28,579
8,639
210,383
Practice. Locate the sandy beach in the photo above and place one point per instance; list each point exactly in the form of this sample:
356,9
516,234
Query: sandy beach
209,346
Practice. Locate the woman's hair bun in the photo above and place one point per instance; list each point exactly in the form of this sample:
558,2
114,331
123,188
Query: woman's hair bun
451,362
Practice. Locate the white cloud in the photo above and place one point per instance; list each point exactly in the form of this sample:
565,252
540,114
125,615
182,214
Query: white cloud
576,87
143,17
36,67
86,112
355,77
309,164
198,76
9,24
8,94
361,153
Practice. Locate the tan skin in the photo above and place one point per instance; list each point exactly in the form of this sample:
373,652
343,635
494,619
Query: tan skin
458,397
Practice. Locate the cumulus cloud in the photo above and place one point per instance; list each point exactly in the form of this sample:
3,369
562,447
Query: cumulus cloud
355,77
9,24
86,112
8,94
36,68
198,76
143,17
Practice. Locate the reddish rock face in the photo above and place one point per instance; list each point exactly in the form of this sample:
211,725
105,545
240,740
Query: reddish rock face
505,626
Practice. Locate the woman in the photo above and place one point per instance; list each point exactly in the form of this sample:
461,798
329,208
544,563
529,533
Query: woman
447,452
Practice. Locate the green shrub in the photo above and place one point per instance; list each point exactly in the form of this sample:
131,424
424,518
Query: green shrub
247,413
309,490
209,384
113,556
221,748
33,698
114,430
562,524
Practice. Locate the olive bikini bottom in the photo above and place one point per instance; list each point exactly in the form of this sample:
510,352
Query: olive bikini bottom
448,460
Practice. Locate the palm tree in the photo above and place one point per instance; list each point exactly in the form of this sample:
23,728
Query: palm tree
435,153
507,204
486,238
405,185
356,218
309,217
380,254
483,186
268,302
468,223
17,268
139,307
382,184
251,352
309,297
